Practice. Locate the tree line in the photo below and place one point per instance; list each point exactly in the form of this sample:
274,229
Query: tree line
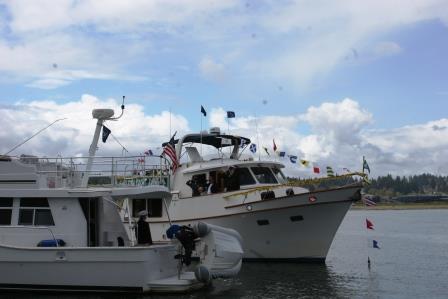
389,186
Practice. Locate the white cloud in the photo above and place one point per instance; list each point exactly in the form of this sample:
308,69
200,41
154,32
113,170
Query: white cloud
339,135
212,70
296,41
135,130
387,48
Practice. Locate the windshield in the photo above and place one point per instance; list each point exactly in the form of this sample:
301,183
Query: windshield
279,175
264,175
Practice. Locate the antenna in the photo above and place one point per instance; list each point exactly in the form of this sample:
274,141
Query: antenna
32,136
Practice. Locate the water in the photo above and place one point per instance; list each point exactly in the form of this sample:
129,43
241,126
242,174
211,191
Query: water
412,263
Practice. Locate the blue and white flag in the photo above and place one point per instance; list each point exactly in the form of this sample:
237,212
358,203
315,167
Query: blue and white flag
293,159
253,148
281,154
242,143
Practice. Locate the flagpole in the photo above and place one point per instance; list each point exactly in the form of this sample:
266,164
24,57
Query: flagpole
201,133
170,122
258,137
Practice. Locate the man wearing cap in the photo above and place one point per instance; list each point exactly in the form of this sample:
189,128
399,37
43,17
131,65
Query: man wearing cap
143,232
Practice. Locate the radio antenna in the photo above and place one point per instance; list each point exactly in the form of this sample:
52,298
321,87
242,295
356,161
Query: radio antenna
34,135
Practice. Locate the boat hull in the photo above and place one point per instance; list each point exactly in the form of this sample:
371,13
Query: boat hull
136,269
295,228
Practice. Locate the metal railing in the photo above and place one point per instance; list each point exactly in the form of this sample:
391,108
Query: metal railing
60,172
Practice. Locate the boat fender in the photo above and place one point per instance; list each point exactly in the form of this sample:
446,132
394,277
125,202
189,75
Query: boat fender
202,274
201,229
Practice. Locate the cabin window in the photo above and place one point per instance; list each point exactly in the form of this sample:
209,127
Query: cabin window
35,211
5,210
152,205
264,175
245,177
279,175
5,216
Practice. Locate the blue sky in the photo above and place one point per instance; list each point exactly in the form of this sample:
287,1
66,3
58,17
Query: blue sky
293,65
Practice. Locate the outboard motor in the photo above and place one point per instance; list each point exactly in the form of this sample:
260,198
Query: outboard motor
186,237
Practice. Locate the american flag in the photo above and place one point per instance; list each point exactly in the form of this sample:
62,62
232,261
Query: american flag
170,150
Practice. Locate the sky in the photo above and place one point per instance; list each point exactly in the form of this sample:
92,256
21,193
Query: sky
330,81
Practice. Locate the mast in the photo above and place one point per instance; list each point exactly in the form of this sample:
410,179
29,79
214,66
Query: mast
101,115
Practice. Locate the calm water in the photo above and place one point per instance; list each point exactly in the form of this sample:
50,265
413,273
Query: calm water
412,263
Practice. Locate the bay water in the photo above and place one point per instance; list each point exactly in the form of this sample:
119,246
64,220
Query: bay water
412,262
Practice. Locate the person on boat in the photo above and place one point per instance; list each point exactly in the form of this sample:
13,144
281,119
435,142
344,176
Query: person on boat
211,188
143,232
232,181
195,187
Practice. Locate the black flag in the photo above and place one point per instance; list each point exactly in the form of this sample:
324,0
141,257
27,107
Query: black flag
203,111
230,114
106,133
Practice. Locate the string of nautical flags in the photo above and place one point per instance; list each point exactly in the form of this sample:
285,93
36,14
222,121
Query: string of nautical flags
314,166
368,203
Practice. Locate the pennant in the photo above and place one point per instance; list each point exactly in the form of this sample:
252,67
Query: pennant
375,244
293,159
368,202
230,114
106,133
274,146
369,224
330,172
305,163
253,148
266,150
316,168
203,111
346,170
149,153
365,165
281,154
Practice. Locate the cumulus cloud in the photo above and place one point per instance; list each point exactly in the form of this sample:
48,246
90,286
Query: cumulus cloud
339,136
72,136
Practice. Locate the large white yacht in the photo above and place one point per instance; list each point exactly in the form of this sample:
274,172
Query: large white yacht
68,225
277,221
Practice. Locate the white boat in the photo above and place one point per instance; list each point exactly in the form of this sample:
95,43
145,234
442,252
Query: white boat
277,221
61,230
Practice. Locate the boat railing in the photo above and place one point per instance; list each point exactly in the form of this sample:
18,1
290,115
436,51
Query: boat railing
126,171
27,227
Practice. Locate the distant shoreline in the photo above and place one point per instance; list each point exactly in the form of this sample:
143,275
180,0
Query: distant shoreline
402,206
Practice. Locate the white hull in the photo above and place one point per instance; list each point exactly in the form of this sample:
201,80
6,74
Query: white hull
95,269
290,228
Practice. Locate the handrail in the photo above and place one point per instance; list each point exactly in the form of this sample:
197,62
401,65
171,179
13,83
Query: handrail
33,227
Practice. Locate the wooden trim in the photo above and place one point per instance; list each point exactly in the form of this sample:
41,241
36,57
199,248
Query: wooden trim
301,194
